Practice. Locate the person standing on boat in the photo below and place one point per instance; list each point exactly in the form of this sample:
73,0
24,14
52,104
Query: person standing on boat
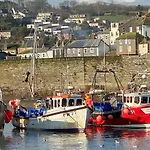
88,101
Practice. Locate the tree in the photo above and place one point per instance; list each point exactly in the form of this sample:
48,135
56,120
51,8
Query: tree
38,6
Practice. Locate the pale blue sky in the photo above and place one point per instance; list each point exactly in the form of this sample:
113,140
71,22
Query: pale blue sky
136,2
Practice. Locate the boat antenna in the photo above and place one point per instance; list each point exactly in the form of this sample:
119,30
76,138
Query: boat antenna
33,61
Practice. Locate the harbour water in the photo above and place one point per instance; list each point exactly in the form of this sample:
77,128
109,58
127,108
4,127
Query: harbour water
93,139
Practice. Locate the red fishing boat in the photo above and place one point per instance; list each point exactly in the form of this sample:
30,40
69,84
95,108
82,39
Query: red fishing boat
131,109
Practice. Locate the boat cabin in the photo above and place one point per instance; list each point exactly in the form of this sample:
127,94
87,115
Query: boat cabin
64,101
136,99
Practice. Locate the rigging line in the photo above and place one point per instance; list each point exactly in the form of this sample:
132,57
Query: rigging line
73,119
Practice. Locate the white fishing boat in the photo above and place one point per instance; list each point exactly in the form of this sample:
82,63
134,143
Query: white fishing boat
63,112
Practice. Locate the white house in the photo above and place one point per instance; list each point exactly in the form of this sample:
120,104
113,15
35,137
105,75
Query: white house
114,33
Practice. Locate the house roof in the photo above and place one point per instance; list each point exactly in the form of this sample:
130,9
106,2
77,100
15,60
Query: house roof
81,34
147,21
137,21
131,35
133,22
84,43
127,35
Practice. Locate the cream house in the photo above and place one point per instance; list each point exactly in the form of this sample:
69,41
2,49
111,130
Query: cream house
143,48
114,33
5,34
79,19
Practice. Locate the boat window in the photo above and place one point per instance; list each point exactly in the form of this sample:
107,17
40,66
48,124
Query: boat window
130,99
51,103
58,103
79,102
144,100
55,103
71,102
64,102
124,99
136,100
149,99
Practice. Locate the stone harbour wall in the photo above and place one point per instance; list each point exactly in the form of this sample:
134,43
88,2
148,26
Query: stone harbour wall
52,74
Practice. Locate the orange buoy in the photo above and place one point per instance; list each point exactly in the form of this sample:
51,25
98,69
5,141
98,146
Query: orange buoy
110,117
12,104
90,121
99,119
126,111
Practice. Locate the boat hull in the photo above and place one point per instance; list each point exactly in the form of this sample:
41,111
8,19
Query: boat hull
136,117
71,119
2,116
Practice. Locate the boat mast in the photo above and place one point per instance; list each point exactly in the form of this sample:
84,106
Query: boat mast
33,63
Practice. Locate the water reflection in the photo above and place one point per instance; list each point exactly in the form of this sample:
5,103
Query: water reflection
118,139
50,140
93,139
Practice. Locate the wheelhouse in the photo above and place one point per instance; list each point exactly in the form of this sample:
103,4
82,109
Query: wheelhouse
64,101
136,99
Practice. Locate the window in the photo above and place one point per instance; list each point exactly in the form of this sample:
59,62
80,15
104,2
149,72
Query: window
120,48
58,103
111,34
43,55
73,50
55,103
137,29
51,102
116,33
79,102
128,99
71,102
85,50
129,48
131,29
91,50
136,100
68,50
129,41
64,102
144,100
114,25
79,52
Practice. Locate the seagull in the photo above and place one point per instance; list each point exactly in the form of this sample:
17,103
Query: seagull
117,142
135,146
101,145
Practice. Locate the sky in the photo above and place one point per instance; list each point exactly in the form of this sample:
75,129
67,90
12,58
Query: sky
128,2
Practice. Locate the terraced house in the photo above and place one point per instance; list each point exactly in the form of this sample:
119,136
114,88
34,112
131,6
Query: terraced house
85,48
134,36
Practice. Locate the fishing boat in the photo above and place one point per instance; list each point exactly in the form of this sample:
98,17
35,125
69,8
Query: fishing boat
5,114
132,109
63,112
